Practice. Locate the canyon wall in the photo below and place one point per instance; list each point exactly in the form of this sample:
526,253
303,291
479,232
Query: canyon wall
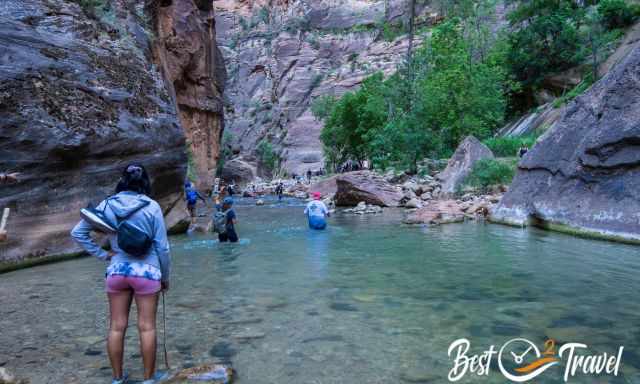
583,175
82,93
283,54
195,71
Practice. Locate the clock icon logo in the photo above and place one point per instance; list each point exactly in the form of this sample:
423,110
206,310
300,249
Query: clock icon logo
526,358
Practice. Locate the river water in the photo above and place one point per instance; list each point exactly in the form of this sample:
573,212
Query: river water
368,300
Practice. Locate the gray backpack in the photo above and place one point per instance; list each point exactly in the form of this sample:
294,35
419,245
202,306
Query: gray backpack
220,222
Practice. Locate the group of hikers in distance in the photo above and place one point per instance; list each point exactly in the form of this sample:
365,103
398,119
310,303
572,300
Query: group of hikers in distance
139,257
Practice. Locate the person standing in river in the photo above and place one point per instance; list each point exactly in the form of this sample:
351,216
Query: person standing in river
224,221
280,191
317,212
132,277
191,195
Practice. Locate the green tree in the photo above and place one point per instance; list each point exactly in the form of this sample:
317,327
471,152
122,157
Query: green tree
545,39
225,151
266,154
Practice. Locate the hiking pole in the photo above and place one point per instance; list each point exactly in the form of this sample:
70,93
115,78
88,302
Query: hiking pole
164,334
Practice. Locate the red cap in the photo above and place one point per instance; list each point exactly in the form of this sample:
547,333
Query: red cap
316,195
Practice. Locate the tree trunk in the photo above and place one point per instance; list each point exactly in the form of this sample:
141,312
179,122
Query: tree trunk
412,14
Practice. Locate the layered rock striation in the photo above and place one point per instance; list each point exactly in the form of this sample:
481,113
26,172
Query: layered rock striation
282,55
80,97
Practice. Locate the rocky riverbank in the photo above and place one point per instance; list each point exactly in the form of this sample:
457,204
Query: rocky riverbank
438,198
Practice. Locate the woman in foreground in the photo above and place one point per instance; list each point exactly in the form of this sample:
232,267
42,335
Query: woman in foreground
140,277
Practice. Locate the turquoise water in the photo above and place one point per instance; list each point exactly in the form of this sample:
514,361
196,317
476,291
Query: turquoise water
367,301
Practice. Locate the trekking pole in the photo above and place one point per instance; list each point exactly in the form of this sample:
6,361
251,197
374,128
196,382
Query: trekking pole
164,334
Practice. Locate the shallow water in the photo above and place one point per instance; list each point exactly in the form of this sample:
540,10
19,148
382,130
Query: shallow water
367,301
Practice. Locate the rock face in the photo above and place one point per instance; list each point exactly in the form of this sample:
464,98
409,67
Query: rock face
461,163
239,171
584,174
283,54
80,97
366,186
195,72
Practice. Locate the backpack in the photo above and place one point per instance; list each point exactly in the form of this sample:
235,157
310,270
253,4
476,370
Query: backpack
192,197
220,222
131,239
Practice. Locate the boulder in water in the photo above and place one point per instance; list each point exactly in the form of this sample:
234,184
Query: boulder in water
354,187
461,163
210,373
584,174
259,202
436,212
239,170
413,203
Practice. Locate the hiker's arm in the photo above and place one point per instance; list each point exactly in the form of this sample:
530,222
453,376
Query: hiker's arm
161,244
81,235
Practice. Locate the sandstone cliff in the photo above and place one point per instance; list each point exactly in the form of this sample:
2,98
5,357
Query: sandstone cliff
583,176
195,72
81,96
282,54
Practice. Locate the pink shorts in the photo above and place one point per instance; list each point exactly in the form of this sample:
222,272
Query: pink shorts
139,285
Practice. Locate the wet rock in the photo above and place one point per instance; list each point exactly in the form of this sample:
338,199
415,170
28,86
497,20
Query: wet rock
259,202
248,334
368,187
92,352
222,350
327,338
343,307
583,175
210,373
413,203
461,163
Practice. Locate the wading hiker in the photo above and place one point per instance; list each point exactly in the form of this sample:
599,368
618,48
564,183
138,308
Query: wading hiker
317,212
192,196
224,221
280,191
139,266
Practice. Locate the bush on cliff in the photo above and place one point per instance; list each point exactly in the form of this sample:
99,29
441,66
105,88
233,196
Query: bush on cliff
509,146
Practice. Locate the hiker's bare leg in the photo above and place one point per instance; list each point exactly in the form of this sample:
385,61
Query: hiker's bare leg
119,305
147,306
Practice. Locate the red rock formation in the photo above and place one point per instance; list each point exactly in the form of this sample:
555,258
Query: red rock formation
192,64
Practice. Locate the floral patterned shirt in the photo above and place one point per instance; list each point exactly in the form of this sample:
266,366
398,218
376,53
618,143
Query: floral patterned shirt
134,269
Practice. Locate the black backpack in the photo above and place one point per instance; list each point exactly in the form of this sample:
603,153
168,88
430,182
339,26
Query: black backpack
132,240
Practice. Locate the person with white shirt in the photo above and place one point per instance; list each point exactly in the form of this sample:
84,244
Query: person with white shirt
317,212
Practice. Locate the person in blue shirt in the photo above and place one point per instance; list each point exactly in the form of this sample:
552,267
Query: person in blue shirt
317,212
191,196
